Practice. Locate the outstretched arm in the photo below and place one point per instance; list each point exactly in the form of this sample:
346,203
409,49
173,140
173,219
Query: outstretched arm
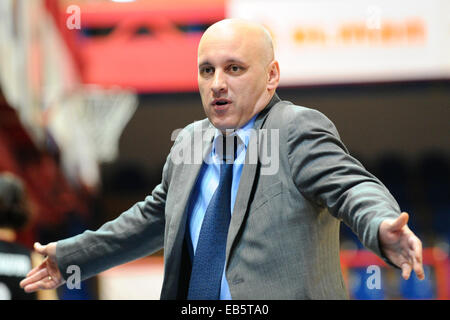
137,232
328,175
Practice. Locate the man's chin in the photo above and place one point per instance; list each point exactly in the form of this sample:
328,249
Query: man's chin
223,125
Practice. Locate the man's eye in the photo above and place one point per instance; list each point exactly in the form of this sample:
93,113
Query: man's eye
235,69
206,70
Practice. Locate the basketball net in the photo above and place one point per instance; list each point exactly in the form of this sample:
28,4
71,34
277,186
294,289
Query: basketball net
40,80
87,125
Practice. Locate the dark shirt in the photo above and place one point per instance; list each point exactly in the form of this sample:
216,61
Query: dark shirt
15,263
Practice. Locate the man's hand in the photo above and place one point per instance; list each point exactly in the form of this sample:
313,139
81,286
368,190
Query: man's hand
47,274
401,246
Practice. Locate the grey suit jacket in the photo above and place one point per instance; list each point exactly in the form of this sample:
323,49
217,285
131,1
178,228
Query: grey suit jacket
283,240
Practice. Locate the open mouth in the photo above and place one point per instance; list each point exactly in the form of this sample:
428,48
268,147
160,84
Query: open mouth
221,102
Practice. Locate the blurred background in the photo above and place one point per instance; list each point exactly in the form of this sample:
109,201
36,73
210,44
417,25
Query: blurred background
91,92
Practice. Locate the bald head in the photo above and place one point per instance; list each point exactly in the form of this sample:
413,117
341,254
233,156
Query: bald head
237,72
254,35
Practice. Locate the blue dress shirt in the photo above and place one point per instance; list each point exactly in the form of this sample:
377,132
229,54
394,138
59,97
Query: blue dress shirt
207,183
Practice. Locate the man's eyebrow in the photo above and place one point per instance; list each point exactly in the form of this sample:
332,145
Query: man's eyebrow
206,63
233,60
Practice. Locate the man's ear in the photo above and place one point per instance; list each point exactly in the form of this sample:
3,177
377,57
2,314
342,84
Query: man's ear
273,75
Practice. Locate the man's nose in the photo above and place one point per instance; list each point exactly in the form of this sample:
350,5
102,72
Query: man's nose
219,84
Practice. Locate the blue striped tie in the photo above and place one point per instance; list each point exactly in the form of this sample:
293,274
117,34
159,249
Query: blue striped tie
209,259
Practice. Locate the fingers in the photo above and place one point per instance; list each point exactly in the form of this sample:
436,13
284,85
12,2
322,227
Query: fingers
40,248
39,280
403,246
418,269
414,260
406,270
416,254
400,222
36,269
45,283
35,281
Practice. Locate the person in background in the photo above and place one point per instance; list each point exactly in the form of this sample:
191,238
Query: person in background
15,260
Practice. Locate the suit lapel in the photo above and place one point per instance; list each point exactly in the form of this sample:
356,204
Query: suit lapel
247,178
187,180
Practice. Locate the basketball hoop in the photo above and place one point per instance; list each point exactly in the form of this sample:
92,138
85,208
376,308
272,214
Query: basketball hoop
87,124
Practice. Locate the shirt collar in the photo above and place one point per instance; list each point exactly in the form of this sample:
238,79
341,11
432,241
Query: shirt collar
243,132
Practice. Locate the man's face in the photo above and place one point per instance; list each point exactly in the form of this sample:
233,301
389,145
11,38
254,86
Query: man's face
232,79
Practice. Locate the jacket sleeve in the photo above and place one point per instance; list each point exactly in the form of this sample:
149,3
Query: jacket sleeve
137,232
330,177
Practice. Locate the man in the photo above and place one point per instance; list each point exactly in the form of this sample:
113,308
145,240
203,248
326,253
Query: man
265,235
